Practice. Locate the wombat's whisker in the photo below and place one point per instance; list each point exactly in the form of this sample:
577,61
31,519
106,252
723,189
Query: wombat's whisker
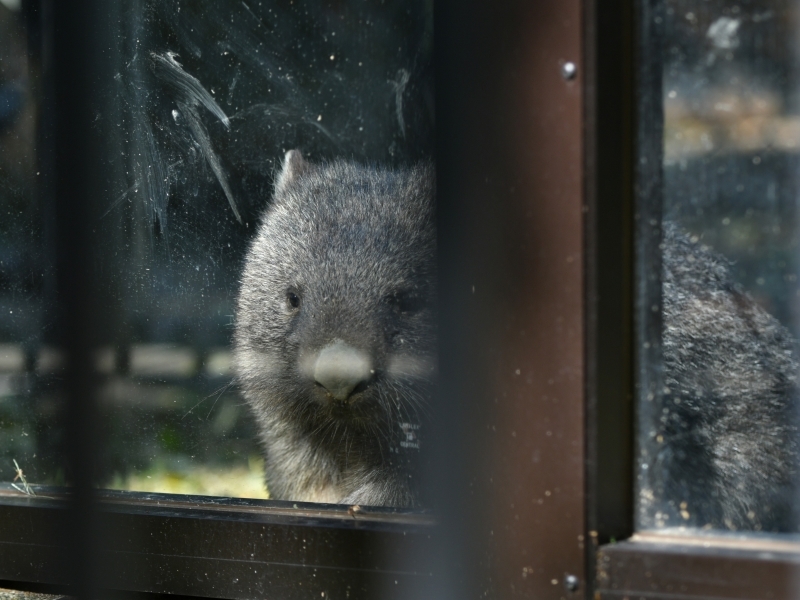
219,391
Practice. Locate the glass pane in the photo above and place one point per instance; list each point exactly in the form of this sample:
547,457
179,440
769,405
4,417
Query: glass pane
207,99
30,389
719,432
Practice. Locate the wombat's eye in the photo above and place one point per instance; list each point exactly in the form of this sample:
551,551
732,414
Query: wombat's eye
406,303
292,299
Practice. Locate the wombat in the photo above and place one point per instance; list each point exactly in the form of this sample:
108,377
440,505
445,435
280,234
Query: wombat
727,431
335,351
335,336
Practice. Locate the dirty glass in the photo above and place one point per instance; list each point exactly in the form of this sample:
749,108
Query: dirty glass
206,99
718,400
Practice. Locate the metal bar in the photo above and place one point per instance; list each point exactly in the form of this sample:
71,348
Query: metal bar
509,121
77,66
223,548
610,144
674,569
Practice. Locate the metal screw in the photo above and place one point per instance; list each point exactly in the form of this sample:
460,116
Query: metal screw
569,70
571,582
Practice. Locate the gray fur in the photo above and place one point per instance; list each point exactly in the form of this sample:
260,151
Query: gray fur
728,424
355,247
339,385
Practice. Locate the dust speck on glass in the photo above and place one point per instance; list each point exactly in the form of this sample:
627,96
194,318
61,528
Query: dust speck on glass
207,99
718,416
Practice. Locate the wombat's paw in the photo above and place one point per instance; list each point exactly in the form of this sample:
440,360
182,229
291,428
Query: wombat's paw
387,492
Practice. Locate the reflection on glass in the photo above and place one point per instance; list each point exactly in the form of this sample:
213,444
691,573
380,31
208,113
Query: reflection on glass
206,100
719,438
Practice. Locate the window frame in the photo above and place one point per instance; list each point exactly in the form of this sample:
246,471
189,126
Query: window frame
215,547
537,227
656,564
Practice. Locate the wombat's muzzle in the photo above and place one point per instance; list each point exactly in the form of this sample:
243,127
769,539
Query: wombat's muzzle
340,369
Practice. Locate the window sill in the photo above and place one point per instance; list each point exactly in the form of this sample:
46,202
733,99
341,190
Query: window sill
221,547
682,565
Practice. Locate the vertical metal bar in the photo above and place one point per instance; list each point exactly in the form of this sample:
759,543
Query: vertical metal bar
460,66
610,146
510,182
77,53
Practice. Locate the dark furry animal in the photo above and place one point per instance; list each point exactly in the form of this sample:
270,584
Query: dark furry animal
727,432
335,353
335,340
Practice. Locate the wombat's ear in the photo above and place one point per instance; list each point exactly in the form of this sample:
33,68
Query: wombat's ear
294,165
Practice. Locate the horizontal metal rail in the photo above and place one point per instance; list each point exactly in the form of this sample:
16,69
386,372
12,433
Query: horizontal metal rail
222,547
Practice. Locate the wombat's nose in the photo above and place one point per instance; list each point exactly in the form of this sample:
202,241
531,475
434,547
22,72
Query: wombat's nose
340,368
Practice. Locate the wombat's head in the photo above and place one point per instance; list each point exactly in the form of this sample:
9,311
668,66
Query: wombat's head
335,327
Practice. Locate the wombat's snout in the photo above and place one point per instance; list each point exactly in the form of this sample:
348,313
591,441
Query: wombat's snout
340,368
